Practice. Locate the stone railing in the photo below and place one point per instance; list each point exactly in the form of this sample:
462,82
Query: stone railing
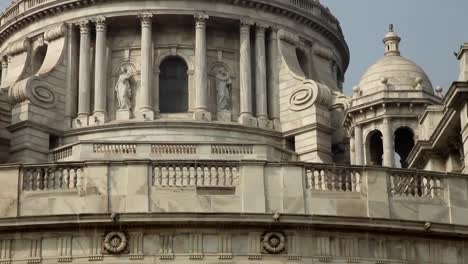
52,177
333,178
195,175
237,186
311,6
169,151
416,184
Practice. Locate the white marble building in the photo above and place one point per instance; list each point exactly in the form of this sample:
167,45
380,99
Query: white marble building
218,132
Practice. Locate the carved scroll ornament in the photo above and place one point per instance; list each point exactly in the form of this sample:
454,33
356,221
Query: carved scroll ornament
34,90
308,94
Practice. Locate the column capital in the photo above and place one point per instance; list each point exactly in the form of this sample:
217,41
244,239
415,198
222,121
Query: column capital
146,19
4,62
245,25
200,19
100,23
262,26
84,26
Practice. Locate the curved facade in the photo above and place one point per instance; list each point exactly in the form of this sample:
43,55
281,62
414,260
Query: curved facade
206,131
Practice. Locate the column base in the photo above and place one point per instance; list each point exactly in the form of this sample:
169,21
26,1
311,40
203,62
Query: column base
201,115
224,116
265,123
82,120
97,119
123,115
248,120
277,124
145,115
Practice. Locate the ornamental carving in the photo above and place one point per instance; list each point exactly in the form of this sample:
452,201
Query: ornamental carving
33,89
115,242
123,88
274,242
308,94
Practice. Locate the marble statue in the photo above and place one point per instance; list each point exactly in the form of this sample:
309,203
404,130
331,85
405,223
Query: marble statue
223,87
123,88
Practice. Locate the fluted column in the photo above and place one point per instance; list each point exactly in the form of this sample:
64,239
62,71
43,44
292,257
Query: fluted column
261,78
145,110
4,70
100,98
388,144
201,75
84,75
245,76
359,146
273,79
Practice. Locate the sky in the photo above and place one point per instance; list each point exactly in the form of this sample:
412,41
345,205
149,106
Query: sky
431,31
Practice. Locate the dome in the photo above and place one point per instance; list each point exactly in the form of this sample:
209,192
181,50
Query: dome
394,72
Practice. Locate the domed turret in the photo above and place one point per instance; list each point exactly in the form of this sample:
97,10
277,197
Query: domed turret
383,119
394,72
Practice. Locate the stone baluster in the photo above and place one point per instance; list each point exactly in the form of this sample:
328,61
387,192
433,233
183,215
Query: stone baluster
100,77
84,75
201,76
273,78
245,76
146,111
261,78
389,151
359,147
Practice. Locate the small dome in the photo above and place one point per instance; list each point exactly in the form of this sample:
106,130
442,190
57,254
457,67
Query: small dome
394,72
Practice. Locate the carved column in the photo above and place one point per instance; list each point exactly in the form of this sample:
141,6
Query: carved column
84,75
359,147
201,75
261,78
388,144
245,76
100,98
4,70
273,79
145,97
72,74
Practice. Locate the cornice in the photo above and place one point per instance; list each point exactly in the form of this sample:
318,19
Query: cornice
326,24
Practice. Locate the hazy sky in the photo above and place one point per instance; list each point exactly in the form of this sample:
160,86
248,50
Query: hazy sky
431,30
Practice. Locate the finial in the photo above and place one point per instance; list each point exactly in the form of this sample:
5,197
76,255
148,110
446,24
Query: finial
390,28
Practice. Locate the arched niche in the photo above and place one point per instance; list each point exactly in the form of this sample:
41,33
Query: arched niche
374,148
161,57
404,143
173,85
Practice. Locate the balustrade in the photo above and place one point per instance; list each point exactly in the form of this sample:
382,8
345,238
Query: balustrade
173,149
115,148
52,178
232,149
195,176
339,179
416,185
62,154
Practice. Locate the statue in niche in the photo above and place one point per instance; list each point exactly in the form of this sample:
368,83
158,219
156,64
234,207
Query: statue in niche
223,89
123,88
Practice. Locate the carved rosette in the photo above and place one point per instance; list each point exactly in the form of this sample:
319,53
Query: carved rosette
274,242
33,90
115,242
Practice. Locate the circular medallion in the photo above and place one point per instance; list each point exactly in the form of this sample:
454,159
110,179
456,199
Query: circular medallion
115,242
274,242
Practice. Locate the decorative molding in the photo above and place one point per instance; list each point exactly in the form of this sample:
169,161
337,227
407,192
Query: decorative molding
56,32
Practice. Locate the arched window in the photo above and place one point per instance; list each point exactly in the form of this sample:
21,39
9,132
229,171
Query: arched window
374,148
38,58
173,86
404,143
303,62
